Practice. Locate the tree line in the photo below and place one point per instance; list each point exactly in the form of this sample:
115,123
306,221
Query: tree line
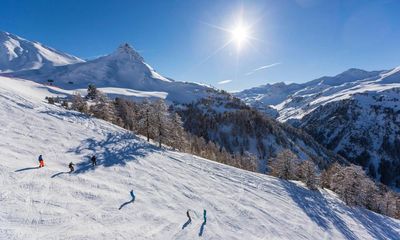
350,182
154,120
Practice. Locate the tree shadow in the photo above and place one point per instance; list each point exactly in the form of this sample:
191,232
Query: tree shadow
58,174
126,203
314,204
386,228
26,169
63,114
115,149
202,229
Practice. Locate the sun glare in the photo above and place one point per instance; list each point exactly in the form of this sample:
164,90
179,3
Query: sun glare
239,35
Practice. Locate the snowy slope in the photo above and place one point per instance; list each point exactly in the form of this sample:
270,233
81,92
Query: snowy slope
51,204
18,54
355,114
123,70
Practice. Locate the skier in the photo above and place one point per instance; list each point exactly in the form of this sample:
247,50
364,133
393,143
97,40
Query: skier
41,161
188,215
71,167
94,160
205,216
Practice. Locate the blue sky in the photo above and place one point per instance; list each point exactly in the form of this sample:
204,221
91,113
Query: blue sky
291,40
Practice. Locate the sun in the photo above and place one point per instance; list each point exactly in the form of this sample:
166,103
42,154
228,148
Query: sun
239,35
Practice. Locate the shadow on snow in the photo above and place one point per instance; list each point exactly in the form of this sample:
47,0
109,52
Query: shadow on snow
115,149
26,169
63,114
202,229
318,209
186,224
58,174
128,202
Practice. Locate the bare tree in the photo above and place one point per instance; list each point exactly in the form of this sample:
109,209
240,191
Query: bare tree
284,165
79,104
326,175
102,108
308,174
177,135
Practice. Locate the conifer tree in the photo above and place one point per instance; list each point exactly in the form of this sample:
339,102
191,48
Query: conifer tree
92,92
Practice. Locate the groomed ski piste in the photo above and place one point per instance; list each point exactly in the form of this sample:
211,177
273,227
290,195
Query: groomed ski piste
95,203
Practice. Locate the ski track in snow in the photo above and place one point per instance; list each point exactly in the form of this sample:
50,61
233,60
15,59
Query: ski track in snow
49,203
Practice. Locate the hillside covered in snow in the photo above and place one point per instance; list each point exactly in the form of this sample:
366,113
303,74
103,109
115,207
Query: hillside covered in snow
18,54
239,129
95,202
354,113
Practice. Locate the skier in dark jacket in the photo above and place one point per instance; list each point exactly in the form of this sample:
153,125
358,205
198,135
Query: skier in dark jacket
205,216
94,160
41,161
71,167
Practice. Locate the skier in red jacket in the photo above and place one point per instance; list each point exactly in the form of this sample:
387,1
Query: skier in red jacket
41,161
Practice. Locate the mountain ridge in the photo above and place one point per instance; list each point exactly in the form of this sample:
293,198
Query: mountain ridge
353,113
17,53
122,70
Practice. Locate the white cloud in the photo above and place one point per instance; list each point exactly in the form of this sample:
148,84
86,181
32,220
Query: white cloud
224,81
262,67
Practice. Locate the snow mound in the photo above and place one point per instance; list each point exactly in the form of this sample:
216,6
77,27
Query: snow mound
49,203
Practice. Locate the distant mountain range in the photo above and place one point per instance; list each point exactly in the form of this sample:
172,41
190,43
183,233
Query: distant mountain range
355,114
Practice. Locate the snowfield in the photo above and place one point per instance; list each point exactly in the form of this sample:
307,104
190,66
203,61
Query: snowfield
49,203
17,54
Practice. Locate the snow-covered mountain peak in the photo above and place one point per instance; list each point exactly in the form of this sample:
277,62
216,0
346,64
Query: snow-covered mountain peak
18,54
121,73
279,84
354,72
351,75
126,51
4,35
